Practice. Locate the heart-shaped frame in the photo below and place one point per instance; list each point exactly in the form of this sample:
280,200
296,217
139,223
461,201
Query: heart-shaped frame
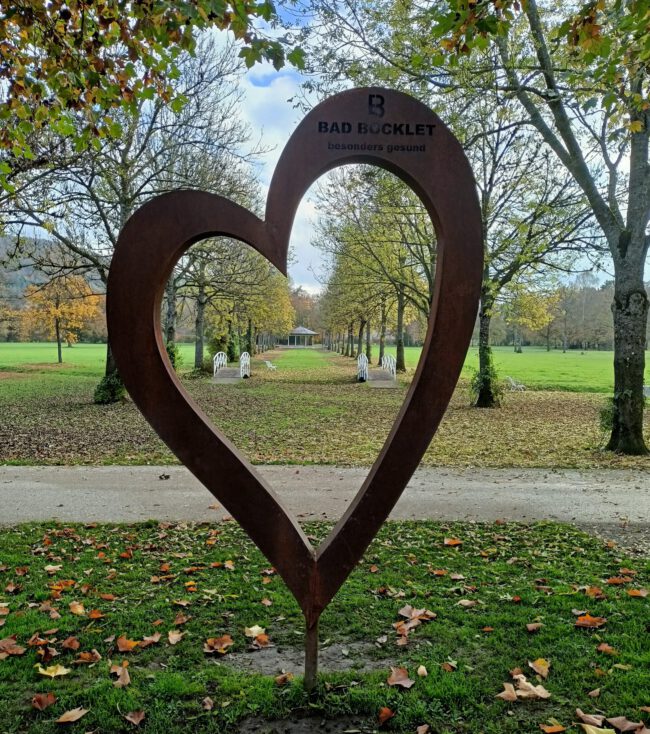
370,125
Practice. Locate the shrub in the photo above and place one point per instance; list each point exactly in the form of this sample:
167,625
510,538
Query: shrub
110,390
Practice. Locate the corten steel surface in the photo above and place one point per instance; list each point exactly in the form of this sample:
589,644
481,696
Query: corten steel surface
159,233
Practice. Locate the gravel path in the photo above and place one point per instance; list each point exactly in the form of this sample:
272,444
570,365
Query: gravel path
612,503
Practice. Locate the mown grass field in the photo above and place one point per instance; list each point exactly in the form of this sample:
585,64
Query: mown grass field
104,589
310,410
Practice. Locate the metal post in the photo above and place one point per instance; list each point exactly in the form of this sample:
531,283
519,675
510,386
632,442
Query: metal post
311,656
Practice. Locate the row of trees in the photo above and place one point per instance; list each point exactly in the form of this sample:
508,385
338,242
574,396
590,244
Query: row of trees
552,105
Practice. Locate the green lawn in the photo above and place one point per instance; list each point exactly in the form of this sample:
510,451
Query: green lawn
538,369
310,410
152,579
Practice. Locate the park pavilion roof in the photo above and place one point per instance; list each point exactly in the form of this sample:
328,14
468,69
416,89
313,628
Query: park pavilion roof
302,331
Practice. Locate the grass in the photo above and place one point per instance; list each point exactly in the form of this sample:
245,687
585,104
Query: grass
310,410
149,573
571,371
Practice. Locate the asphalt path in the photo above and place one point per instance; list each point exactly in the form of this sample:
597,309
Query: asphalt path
612,503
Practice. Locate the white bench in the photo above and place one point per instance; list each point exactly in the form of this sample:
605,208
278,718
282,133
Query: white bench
245,365
362,368
514,385
389,363
270,365
220,360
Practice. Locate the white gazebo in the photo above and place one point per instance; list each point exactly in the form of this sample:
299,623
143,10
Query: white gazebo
301,336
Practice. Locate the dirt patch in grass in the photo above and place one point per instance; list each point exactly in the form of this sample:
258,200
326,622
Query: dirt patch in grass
305,725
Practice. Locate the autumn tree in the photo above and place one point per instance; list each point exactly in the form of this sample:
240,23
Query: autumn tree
61,307
84,204
71,69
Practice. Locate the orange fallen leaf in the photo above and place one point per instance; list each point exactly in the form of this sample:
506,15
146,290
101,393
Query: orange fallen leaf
71,643
642,593
77,608
72,715
218,644
607,649
95,614
399,677
282,680
552,728
589,622
89,657
125,645
452,541
617,580
373,568
384,714
41,701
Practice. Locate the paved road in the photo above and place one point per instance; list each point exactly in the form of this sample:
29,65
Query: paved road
613,503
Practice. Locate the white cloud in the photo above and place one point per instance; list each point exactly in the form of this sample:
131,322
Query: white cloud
273,118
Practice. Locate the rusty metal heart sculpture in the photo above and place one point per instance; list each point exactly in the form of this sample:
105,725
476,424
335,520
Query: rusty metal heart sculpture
373,126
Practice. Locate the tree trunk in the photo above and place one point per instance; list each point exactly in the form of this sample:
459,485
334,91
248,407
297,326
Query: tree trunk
57,330
630,311
362,326
249,338
516,339
199,323
170,311
382,331
348,343
368,344
400,365
487,396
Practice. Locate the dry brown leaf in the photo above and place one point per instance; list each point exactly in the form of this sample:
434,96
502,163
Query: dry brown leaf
254,631
384,714
552,728
589,622
527,690
122,673
283,679
174,636
207,704
448,666
218,644
399,677
71,643
607,649
452,541
77,608
89,657
150,640
595,693
423,729
125,645
541,666
72,715
534,626
639,593
592,719
41,701
617,580
623,724
422,671
266,602
467,603
508,693
135,717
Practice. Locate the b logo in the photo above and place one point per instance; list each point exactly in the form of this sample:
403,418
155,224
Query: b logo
376,105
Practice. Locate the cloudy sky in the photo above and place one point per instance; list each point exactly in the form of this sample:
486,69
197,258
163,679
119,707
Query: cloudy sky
273,118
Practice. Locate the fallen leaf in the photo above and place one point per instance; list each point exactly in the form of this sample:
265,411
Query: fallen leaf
467,603
595,693
77,608
373,568
123,677
174,636
266,602
399,677
125,645
150,640
623,724
283,679
589,622
71,643
182,619
534,626
89,657
207,704
448,666
384,714
422,671
423,729
617,580
640,593
254,631
607,649
508,693
452,541
95,614
592,719
261,641
552,728
527,690
540,666
218,644
41,701
53,671
135,717
72,715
